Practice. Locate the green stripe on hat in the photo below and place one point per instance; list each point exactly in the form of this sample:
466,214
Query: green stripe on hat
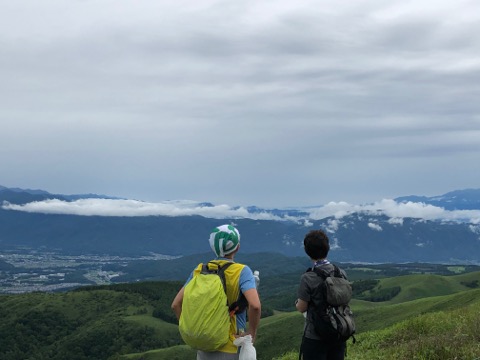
224,240
216,240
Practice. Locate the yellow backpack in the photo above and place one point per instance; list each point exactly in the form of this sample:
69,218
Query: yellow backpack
205,320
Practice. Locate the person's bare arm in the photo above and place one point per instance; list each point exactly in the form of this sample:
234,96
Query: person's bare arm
254,311
301,305
177,303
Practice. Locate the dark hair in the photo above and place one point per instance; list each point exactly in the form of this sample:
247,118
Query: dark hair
316,244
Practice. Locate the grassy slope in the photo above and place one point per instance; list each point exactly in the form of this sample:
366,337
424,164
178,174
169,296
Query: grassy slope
380,328
432,292
118,319
420,286
179,352
384,315
162,329
282,332
452,331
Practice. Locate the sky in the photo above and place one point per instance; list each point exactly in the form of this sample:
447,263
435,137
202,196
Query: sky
238,103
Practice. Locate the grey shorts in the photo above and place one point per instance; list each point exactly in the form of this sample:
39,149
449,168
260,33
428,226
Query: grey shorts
215,355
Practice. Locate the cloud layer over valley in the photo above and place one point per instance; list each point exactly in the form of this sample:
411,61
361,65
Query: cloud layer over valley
116,207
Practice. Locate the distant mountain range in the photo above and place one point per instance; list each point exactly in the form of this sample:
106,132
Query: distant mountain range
23,196
407,229
468,199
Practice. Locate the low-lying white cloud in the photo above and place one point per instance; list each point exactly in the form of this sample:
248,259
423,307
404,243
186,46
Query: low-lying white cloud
395,211
114,207
395,221
375,227
475,229
332,225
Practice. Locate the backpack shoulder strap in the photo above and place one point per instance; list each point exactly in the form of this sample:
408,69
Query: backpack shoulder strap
213,267
336,272
322,272
339,273
241,303
221,273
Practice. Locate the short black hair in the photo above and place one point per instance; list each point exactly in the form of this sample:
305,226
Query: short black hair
316,244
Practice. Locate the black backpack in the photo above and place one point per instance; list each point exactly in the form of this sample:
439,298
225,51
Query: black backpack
330,313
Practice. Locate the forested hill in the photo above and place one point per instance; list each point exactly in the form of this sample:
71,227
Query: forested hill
109,322
91,323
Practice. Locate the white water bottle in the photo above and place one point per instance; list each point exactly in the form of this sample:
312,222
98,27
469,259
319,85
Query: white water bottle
256,275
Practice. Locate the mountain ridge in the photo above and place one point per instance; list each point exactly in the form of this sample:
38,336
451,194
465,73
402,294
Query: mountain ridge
356,236
466,199
462,199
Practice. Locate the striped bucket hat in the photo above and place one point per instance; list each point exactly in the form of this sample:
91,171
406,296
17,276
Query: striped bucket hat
224,240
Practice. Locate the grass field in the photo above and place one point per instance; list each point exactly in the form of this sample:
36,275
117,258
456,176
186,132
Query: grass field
440,335
429,312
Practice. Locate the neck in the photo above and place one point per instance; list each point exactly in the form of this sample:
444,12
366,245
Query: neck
320,261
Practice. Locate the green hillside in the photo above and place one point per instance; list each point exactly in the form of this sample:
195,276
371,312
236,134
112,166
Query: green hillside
281,333
420,286
91,323
439,335
383,315
178,352
134,320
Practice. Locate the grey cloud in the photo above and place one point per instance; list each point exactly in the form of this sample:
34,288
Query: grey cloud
163,96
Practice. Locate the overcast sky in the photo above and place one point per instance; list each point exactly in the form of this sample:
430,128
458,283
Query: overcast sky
268,103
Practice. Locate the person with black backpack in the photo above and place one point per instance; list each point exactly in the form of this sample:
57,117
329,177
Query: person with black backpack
323,297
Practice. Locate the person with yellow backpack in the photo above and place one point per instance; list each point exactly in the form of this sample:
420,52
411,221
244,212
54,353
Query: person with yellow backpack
213,304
